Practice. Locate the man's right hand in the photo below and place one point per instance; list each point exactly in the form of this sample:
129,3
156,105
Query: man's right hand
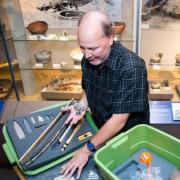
76,113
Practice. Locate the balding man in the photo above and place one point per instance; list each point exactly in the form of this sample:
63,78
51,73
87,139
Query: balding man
114,83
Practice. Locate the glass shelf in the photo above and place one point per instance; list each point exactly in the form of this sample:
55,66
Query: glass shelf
59,39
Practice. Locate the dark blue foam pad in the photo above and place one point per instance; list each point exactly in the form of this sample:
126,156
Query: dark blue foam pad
35,128
90,171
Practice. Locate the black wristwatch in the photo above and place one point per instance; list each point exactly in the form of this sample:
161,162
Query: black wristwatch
90,146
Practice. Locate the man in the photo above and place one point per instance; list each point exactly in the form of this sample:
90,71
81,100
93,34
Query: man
114,83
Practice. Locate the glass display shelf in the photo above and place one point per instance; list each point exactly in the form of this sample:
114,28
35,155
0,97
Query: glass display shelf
59,39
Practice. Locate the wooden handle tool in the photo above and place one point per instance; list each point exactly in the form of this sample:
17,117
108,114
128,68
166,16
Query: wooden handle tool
45,147
63,136
38,140
72,135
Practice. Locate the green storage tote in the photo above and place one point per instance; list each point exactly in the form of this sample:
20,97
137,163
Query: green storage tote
124,145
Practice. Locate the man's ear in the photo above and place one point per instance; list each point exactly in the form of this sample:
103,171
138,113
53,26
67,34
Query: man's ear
111,38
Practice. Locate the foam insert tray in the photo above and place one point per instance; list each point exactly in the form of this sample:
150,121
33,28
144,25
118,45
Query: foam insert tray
33,125
90,172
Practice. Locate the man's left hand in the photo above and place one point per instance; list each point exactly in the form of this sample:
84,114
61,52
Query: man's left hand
76,163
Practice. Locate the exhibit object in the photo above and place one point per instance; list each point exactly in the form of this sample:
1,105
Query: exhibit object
37,27
5,88
62,88
118,27
43,56
177,57
156,59
160,90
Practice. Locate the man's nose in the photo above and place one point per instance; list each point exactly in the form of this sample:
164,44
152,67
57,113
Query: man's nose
87,54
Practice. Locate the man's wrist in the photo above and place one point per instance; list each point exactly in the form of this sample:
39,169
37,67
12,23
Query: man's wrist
90,146
85,149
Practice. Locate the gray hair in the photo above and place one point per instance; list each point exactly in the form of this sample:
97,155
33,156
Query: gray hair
105,22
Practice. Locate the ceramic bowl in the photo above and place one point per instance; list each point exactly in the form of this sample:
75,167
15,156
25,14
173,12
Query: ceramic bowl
155,59
177,57
156,85
43,56
76,54
37,27
118,27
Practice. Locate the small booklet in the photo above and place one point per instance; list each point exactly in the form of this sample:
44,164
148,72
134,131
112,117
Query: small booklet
176,111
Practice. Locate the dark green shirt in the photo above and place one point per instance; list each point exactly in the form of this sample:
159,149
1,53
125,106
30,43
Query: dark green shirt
117,86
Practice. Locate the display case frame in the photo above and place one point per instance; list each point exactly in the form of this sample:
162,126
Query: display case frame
35,76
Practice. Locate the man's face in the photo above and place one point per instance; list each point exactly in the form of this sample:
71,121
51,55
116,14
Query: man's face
95,46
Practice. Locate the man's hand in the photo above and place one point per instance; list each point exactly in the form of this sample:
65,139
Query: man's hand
76,163
77,112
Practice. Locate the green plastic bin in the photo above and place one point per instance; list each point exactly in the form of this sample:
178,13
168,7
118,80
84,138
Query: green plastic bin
124,145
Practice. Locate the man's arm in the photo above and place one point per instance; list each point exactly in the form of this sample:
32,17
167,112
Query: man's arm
83,101
109,129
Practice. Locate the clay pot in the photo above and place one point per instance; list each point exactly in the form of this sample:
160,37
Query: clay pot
37,27
156,85
76,54
118,27
177,57
43,56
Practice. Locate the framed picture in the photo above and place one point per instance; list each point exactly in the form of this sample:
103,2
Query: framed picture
66,13
161,14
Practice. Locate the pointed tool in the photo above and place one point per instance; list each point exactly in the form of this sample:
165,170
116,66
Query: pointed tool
63,136
39,139
27,126
72,135
42,149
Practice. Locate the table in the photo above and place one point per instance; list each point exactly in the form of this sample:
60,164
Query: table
161,117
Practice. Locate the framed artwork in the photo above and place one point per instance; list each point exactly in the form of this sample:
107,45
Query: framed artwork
65,13
161,14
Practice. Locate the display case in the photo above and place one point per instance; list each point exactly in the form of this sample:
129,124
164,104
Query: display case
160,47
8,62
44,52
46,59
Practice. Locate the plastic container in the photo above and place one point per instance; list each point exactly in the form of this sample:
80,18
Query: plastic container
118,150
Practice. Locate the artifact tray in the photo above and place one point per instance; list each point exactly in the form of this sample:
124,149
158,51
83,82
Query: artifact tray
24,130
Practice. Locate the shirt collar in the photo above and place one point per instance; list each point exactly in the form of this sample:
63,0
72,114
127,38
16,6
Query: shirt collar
112,58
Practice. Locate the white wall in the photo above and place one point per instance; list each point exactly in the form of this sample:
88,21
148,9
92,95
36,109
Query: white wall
157,40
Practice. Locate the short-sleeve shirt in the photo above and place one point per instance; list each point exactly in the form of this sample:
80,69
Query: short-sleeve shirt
118,85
